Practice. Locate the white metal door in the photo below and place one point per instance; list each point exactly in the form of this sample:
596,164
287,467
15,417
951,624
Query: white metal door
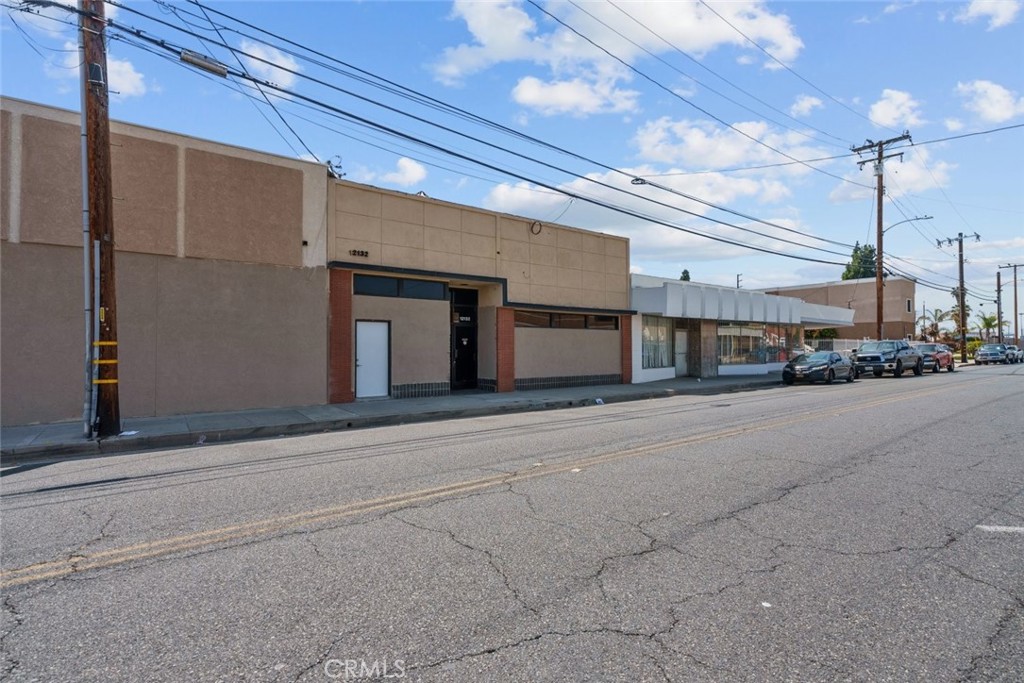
681,339
373,350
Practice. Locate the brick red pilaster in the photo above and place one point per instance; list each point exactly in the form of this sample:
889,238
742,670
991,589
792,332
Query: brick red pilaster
339,339
506,351
626,332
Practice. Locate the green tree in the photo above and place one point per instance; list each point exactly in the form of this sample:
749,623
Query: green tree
685,277
862,262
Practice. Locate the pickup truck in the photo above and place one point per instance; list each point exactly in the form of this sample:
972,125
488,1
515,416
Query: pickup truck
893,356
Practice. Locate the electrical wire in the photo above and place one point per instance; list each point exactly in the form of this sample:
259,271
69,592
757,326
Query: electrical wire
786,66
347,115
164,44
699,82
676,95
503,172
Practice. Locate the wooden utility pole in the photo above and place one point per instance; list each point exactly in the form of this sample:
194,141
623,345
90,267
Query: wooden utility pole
879,162
999,305
1016,313
101,214
881,193
961,292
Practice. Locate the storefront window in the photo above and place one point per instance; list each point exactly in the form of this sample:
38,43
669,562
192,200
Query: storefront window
657,342
742,344
781,342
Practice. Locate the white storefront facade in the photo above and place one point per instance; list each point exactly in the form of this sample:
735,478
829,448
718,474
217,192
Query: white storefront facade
690,329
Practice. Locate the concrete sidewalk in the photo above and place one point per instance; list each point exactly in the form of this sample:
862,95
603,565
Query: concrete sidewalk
40,442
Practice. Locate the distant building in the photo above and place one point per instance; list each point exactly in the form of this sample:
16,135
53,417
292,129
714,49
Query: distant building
688,329
899,313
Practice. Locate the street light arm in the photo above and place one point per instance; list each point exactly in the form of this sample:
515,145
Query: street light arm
915,218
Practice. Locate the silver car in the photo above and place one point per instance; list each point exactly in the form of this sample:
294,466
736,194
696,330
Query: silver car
991,353
1013,353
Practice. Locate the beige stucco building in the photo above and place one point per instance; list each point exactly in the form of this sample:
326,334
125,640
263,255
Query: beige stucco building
250,280
899,313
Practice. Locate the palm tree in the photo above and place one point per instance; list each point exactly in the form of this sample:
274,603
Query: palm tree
929,321
986,323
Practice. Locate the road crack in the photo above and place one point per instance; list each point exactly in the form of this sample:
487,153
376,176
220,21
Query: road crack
491,560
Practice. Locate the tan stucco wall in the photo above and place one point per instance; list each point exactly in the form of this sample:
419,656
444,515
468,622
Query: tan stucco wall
543,263
242,210
5,173
172,194
487,342
547,352
193,335
420,336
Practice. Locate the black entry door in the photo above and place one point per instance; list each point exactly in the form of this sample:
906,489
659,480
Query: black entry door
464,352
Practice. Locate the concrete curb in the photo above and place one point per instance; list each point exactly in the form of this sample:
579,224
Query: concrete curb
22,455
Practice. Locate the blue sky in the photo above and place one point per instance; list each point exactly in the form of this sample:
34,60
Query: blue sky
719,107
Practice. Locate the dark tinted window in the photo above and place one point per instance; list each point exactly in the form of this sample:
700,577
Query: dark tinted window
424,289
603,322
532,319
573,321
373,285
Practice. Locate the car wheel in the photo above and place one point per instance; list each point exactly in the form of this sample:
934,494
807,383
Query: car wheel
829,376
898,372
788,381
952,366
851,375
935,367
919,368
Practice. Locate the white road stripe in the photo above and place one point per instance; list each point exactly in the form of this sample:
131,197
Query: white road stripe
1003,529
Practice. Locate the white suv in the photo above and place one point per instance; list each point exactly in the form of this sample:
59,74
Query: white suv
1013,353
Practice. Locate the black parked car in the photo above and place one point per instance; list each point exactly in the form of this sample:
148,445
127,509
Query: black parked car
823,366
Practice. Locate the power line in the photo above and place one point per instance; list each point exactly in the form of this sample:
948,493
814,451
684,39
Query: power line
709,70
673,93
264,94
137,33
163,44
783,64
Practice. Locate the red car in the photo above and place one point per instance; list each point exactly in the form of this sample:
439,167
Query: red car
936,357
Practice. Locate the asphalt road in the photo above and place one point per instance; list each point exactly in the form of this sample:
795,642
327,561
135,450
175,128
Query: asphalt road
869,532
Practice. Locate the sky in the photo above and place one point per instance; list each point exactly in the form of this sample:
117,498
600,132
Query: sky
717,136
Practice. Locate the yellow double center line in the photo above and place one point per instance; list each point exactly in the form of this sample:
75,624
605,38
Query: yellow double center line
265,527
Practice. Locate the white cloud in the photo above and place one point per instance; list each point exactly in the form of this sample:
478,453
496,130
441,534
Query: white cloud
270,64
954,125
895,109
125,81
504,32
701,145
804,105
897,6
990,101
576,97
999,13
409,172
